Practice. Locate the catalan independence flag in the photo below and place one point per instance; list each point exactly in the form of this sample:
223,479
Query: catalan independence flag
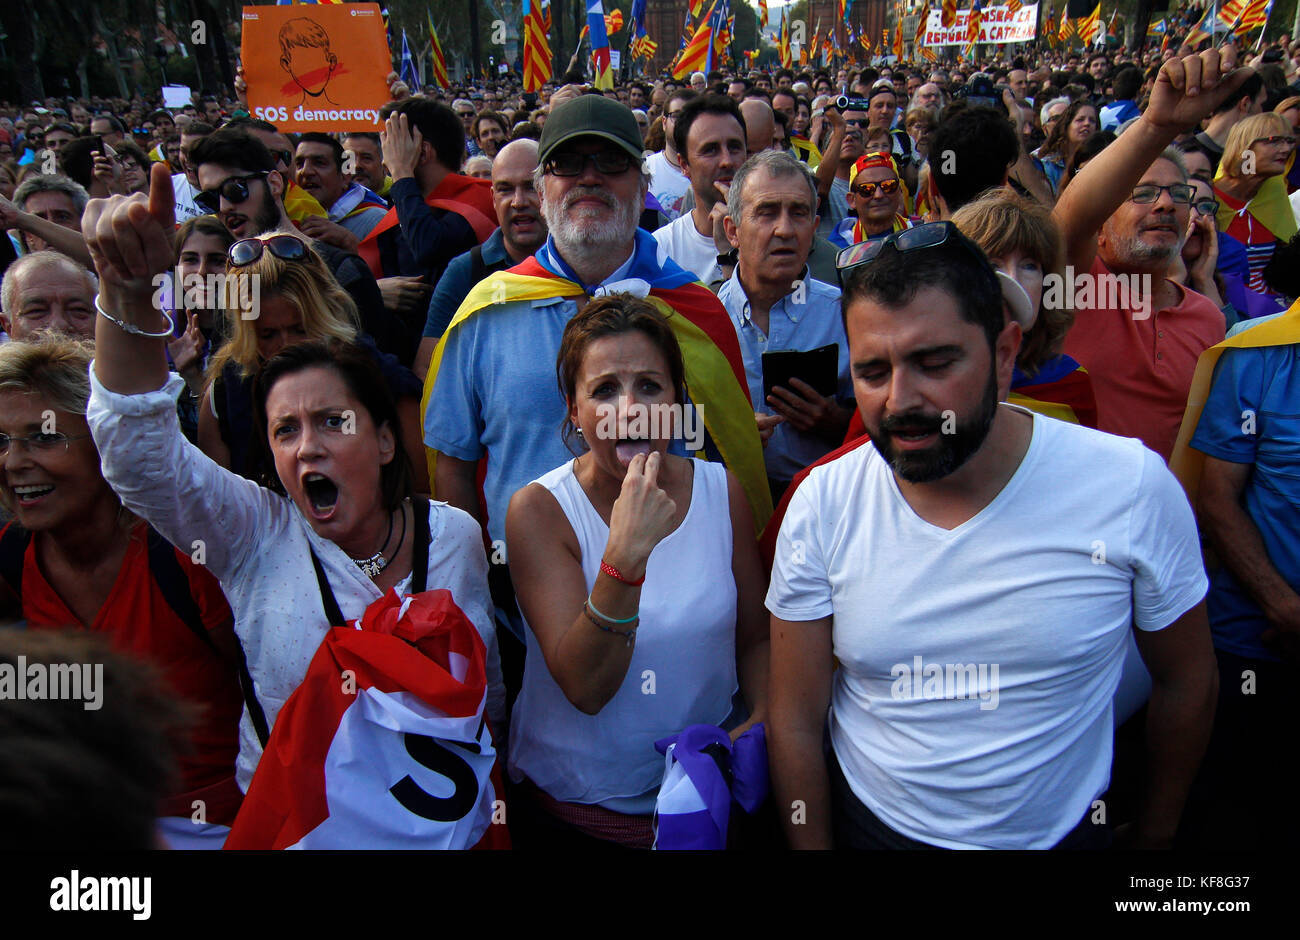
694,56
715,371
537,49
1090,25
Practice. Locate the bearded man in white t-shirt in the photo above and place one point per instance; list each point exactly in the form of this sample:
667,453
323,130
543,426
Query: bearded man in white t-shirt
975,569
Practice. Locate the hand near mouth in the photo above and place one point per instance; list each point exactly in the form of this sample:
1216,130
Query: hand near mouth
641,518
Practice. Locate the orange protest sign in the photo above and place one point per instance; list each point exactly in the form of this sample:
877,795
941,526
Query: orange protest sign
316,68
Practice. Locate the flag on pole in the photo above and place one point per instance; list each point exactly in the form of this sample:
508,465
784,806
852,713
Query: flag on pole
1014,6
783,39
973,24
1202,30
762,14
948,14
407,71
604,78
1090,25
435,52
537,49
922,21
694,54
1049,30
1067,25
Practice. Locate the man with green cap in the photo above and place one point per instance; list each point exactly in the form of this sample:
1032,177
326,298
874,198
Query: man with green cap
491,388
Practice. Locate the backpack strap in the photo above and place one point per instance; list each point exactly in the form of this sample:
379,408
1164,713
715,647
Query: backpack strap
420,545
175,589
477,266
13,549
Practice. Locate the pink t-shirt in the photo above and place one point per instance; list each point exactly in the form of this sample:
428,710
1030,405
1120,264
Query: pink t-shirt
1142,368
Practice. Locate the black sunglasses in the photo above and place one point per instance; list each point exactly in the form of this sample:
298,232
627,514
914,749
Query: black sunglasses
927,235
571,163
247,250
234,189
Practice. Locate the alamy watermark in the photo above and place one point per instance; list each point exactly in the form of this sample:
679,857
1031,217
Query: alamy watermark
924,681
214,292
1105,291
660,421
83,682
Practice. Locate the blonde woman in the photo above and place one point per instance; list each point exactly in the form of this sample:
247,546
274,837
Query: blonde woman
1251,188
279,292
74,558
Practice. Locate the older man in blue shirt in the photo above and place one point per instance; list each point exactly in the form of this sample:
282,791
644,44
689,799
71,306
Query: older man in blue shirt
775,306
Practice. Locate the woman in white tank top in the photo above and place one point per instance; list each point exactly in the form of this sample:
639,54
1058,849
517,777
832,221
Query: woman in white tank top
613,663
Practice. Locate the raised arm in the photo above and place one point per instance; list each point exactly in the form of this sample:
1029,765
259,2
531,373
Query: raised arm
1186,91
159,475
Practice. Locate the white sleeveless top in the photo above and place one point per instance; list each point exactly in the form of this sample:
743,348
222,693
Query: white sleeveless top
683,668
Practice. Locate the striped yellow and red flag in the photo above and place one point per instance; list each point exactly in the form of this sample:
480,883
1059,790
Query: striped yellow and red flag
1090,25
435,52
948,13
537,49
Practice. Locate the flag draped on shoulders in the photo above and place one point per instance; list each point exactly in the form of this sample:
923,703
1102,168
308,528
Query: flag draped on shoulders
1186,462
715,370
469,198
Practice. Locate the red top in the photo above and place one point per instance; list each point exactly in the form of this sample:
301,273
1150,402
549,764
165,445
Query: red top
140,622
1142,368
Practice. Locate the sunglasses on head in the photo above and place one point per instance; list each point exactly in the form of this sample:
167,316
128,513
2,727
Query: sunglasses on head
247,250
233,189
927,235
868,190
572,163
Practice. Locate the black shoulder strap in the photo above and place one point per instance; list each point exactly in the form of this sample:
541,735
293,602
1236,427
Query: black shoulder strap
13,548
332,612
175,588
477,266
420,547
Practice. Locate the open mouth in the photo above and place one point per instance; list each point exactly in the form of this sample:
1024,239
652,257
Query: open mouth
628,447
31,494
322,494
235,223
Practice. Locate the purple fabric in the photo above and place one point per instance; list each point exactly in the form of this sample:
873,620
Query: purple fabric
749,780
1248,303
748,764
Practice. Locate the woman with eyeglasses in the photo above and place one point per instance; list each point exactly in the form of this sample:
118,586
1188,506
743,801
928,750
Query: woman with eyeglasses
279,292
1251,189
74,558
1076,124
339,519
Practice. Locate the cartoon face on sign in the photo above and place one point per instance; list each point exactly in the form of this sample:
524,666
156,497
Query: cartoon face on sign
305,55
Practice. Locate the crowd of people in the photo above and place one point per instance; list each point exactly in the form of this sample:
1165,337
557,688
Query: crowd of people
935,424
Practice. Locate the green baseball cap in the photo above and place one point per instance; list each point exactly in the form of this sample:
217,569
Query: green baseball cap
590,116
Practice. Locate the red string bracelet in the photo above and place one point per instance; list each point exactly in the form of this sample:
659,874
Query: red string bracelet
617,575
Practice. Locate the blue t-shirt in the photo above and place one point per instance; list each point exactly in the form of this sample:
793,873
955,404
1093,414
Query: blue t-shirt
1256,390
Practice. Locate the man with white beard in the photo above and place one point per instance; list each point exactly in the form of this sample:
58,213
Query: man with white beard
491,385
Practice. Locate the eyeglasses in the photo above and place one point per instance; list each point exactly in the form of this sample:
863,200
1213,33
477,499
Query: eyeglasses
247,250
855,122
1206,206
868,190
928,235
572,163
233,189
40,442
1274,141
464,114
283,156
1180,193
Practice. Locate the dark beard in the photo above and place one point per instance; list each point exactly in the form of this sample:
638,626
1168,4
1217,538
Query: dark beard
268,213
952,451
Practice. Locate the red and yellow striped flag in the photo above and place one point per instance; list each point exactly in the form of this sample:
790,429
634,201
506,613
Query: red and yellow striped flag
537,49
